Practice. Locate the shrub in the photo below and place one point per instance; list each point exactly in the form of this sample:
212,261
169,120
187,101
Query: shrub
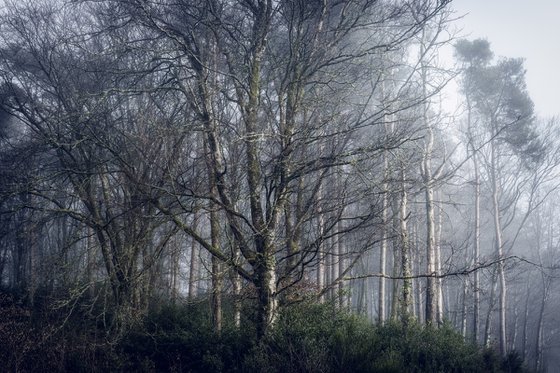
307,338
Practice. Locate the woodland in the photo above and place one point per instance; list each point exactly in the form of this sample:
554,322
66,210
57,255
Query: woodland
271,185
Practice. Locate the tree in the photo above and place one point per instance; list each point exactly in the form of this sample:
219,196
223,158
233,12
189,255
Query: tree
498,95
104,154
477,53
274,66
247,125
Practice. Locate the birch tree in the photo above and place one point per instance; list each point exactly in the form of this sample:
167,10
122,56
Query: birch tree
275,67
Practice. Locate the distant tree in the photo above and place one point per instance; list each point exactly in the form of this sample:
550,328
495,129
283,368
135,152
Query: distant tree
475,53
498,95
104,153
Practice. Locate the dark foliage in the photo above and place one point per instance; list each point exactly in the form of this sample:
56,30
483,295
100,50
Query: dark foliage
307,338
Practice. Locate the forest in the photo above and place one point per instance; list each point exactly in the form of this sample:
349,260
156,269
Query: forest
271,185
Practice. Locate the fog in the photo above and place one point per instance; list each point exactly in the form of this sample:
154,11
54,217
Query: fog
398,160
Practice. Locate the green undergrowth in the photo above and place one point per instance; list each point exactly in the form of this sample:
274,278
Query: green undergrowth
306,338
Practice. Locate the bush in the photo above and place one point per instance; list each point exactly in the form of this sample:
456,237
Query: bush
180,338
314,338
307,338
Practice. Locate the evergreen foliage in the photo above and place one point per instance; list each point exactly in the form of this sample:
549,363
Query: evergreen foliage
308,338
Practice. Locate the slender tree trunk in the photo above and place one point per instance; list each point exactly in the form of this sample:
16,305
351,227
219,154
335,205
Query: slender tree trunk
405,253
175,263
361,301
236,284
293,228
464,309
545,288
525,324
217,277
328,267
491,304
335,257
194,267
498,241
431,288
90,262
545,282
32,257
395,245
340,250
476,228
413,269
513,340
476,249
321,249
431,282
216,272
418,283
366,306
440,306
382,307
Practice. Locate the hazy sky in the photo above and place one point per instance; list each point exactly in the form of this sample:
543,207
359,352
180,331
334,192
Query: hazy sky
521,28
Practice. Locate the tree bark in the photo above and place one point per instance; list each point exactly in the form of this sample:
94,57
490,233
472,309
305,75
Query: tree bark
194,266
321,256
464,309
491,305
498,236
476,250
525,324
265,281
440,306
431,282
405,252
236,284
396,247
382,308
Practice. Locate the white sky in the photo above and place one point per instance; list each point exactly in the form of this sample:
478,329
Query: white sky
521,28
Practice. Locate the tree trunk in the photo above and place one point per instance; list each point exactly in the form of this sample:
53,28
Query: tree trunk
546,280
265,281
405,253
321,257
340,250
194,267
90,262
413,249
513,339
32,257
418,283
236,284
464,309
498,236
335,257
476,249
539,328
216,272
382,307
431,282
217,285
395,246
491,304
440,306
525,324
